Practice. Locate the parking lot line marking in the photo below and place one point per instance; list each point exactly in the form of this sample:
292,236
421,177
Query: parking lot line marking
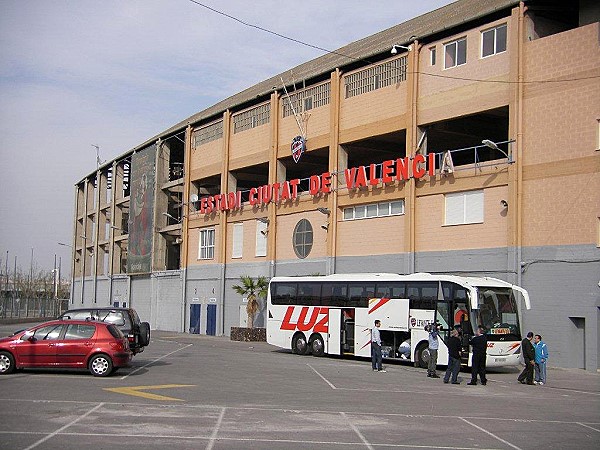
72,422
157,359
587,426
490,433
357,431
213,436
138,391
324,379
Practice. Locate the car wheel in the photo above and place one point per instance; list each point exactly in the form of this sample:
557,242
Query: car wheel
144,334
422,356
299,345
100,365
7,363
317,347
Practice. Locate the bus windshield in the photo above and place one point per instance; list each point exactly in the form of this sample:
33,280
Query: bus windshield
497,312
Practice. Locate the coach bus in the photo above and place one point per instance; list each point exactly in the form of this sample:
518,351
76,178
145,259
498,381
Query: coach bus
334,314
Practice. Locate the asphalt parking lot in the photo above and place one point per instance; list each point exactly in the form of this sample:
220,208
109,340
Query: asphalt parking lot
202,392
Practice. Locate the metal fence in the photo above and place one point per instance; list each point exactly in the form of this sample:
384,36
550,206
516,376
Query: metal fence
11,308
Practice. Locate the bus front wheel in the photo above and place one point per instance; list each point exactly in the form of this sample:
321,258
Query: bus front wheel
422,355
299,344
317,347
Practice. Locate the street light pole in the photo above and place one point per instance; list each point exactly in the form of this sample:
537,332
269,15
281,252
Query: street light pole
71,289
54,284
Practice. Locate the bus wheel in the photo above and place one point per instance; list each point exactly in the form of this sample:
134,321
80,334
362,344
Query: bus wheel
422,355
316,346
299,345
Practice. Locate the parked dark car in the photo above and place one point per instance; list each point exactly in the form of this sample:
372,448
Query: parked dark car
126,319
76,344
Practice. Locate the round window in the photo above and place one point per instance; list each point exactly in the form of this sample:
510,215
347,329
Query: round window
303,238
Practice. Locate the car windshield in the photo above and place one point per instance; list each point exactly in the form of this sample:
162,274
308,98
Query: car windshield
497,311
47,333
114,317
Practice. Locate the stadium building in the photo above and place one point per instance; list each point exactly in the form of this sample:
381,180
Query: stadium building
463,141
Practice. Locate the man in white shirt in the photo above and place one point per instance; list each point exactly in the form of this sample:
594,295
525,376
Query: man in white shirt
376,348
434,331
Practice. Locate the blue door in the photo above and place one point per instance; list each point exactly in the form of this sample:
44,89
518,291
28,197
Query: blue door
211,319
195,319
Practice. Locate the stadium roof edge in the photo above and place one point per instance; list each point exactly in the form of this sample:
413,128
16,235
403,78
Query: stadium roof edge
429,24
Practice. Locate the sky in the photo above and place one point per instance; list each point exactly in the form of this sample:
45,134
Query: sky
115,73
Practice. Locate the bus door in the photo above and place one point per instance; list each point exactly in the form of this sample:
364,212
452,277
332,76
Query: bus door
335,331
347,330
442,316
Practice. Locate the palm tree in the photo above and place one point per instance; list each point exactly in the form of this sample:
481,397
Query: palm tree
253,291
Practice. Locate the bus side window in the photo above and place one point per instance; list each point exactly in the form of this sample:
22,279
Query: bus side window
283,294
334,294
422,295
360,293
309,294
391,290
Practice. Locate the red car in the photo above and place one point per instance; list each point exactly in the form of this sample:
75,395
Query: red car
100,347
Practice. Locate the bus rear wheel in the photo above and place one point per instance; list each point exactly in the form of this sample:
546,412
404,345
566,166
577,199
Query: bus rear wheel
317,347
422,356
299,344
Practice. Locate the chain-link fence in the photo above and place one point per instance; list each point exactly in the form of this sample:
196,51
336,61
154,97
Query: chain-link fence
11,308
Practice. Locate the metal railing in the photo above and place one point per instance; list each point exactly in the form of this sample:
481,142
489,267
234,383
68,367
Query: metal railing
15,308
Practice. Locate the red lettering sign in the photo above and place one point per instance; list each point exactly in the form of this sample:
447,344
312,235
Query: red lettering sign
355,177
318,319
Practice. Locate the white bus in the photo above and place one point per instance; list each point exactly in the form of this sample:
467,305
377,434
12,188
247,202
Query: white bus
334,314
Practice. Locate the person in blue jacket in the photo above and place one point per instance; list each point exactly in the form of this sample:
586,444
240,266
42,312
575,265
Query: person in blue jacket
541,357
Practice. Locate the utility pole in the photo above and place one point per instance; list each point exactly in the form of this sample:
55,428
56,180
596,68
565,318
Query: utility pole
54,283
97,147
30,284
14,286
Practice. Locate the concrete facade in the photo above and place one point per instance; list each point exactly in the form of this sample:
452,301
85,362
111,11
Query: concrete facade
537,199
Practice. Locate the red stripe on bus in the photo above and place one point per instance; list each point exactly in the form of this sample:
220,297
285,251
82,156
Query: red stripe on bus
380,303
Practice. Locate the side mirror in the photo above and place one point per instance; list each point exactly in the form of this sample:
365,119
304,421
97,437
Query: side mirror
32,339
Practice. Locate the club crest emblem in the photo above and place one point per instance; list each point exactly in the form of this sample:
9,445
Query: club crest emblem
298,147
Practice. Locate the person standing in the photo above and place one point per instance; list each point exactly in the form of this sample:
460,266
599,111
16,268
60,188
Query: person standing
454,347
376,358
528,353
541,356
433,330
479,344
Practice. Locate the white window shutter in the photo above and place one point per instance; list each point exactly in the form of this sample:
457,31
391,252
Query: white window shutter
454,209
261,238
238,240
474,207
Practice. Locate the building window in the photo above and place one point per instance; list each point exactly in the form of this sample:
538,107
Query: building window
306,99
206,248
376,77
238,240
208,133
303,238
261,238
493,41
455,53
432,56
464,207
369,211
252,118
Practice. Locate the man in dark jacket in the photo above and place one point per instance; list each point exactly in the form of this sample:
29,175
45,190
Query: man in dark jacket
479,344
454,347
528,352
